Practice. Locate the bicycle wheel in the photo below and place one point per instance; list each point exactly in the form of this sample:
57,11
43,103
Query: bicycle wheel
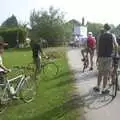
4,100
86,63
28,89
114,85
49,69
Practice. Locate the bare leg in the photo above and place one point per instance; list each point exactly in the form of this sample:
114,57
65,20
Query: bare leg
99,79
82,52
91,60
105,79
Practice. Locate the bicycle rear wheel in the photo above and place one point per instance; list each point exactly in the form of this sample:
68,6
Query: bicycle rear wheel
114,85
49,69
28,89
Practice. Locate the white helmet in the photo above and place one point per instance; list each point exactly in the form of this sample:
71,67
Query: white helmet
90,33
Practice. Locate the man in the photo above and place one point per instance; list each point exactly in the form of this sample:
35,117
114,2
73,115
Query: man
36,51
97,42
89,48
105,51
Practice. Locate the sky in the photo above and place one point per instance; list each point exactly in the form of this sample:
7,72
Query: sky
101,11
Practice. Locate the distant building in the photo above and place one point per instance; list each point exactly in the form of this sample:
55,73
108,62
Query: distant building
78,29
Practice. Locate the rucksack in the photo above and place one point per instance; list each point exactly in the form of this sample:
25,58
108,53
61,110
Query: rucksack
91,42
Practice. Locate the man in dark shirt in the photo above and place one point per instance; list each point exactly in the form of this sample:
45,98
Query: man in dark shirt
37,52
105,50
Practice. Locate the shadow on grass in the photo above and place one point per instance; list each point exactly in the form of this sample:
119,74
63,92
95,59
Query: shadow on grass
58,76
59,111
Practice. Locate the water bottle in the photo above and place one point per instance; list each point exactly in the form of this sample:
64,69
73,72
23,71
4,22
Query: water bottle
12,91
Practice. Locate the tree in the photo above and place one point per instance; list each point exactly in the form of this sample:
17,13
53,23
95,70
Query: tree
116,30
94,28
49,25
10,22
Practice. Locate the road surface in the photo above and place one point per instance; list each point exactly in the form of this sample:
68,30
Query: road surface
96,106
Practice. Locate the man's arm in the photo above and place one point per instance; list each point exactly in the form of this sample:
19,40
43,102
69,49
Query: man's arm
40,49
115,43
97,43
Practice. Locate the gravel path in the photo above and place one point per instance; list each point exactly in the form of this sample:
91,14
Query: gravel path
96,107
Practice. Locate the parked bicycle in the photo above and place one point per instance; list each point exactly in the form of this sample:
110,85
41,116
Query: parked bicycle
47,66
114,78
21,87
85,63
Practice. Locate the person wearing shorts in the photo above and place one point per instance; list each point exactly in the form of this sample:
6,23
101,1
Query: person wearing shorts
90,48
105,50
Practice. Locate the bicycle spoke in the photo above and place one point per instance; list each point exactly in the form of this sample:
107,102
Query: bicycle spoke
50,70
28,90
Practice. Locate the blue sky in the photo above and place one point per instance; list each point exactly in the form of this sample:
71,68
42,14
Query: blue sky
93,10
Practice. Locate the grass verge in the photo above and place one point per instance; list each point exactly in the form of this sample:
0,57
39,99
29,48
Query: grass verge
53,100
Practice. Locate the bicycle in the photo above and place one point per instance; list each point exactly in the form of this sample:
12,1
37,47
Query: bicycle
114,77
21,87
85,63
47,67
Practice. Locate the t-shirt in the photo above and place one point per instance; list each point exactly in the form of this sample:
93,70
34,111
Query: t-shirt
1,62
105,44
36,50
91,42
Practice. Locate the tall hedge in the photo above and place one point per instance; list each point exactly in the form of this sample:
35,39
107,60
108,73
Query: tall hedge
10,35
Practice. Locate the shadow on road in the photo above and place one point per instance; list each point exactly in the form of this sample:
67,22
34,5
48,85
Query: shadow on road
93,100
85,76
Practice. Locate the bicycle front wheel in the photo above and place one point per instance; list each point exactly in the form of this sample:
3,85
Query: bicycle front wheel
50,69
28,89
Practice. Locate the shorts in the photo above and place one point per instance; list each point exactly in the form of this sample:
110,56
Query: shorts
37,62
89,50
105,65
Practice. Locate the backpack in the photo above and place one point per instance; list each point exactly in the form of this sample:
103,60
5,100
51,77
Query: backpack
91,42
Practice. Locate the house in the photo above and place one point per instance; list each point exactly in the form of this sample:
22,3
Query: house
78,29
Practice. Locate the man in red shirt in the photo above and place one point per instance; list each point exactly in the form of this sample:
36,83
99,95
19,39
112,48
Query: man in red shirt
91,44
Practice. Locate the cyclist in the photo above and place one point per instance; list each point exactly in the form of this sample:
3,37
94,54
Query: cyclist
89,48
105,50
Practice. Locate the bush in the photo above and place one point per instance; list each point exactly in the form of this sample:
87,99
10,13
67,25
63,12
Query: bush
10,35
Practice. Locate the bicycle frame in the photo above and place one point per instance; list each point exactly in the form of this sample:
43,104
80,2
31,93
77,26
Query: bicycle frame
8,84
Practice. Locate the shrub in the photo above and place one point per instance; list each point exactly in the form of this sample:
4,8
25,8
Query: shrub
10,35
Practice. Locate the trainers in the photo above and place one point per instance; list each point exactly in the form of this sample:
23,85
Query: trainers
91,69
96,89
105,92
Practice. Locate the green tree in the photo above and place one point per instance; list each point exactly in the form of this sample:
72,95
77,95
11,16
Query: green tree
116,30
49,25
10,22
94,28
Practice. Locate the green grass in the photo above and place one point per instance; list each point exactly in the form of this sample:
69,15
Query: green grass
53,100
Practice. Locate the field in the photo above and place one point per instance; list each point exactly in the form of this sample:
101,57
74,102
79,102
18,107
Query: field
53,100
